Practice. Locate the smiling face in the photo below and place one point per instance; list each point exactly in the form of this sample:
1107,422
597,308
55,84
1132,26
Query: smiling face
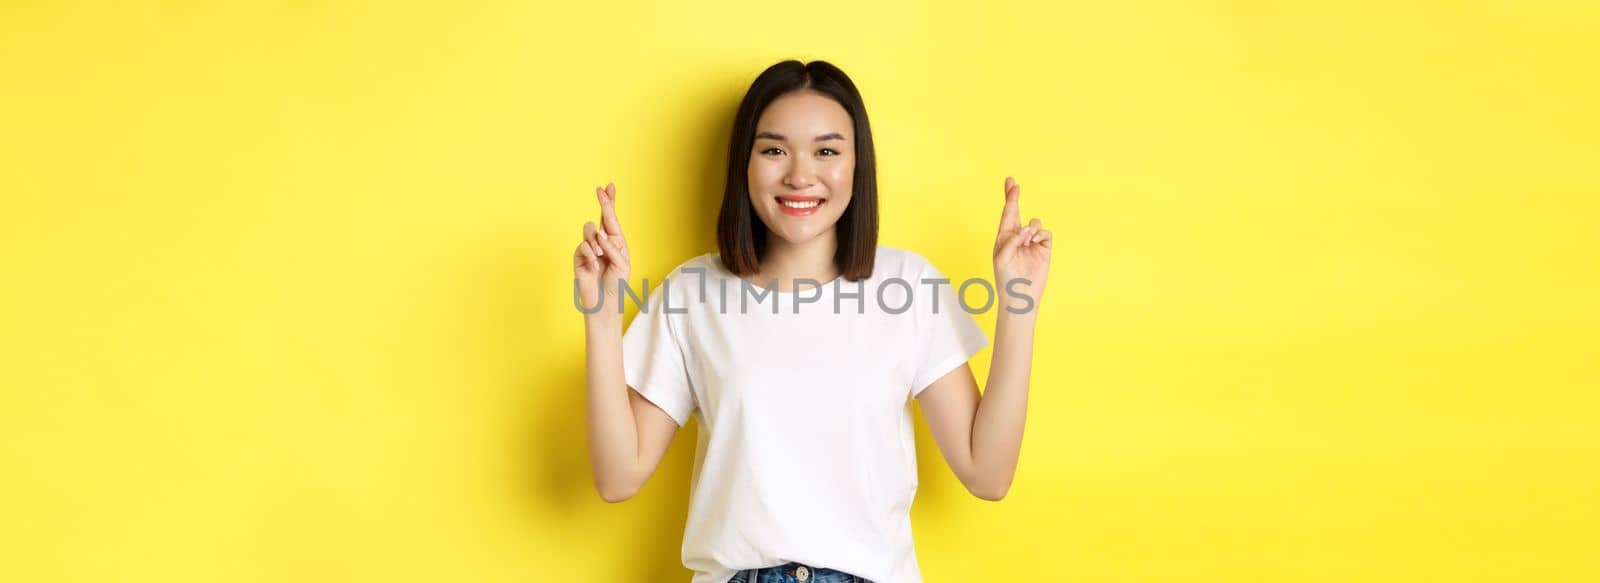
802,165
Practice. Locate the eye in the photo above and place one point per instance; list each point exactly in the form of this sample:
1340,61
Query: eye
771,150
835,153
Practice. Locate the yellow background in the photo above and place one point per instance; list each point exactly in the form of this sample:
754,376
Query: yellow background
287,285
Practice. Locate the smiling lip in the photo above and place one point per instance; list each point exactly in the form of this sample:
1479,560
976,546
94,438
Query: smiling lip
794,212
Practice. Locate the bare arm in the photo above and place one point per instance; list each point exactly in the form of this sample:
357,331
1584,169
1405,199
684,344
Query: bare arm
981,436
628,435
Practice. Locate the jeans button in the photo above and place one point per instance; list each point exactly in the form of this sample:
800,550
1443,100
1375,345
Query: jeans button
802,573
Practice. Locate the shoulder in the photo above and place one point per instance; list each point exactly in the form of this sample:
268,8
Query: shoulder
692,266
685,273
894,261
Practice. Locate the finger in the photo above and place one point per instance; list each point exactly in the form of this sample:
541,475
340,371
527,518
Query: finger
1010,216
1043,238
622,246
618,257
1035,226
605,244
1013,243
591,235
608,209
588,255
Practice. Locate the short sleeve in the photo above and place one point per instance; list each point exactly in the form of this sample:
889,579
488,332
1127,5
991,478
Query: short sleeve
653,360
949,338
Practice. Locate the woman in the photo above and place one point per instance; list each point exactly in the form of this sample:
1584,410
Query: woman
805,466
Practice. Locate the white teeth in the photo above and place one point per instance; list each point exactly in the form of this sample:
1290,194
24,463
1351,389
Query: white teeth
800,205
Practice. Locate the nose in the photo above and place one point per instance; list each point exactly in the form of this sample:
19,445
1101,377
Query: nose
798,177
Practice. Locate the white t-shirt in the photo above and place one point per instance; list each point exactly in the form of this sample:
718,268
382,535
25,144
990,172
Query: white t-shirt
805,450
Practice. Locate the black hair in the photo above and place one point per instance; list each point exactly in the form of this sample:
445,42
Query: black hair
741,236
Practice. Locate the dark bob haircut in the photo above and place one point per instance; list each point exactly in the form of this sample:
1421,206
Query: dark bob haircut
741,236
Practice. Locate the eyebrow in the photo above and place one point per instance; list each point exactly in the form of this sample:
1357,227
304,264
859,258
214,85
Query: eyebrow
821,138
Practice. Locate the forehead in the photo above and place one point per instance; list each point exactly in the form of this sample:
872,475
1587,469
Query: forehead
806,114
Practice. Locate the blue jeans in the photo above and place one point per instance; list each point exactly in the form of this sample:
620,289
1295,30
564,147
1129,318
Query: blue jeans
792,573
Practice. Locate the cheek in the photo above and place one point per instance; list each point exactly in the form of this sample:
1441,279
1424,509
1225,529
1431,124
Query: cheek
840,177
759,180
761,174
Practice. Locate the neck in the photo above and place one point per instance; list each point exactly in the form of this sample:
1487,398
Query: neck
787,261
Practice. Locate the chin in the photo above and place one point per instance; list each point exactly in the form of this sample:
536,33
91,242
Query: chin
797,238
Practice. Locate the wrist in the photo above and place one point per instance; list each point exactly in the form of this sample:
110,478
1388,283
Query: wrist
1018,310
602,321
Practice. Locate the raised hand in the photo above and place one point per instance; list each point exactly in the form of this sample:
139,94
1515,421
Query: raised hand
1021,251
602,258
